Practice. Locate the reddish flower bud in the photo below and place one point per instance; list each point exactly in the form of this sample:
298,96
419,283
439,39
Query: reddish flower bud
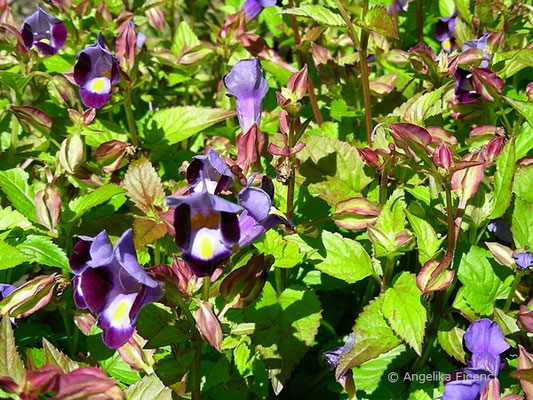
208,324
529,91
356,213
243,285
298,83
434,277
486,83
136,356
156,18
525,318
443,156
495,147
88,116
62,92
413,139
33,120
465,181
72,153
525,362
111,154
103,16
369,156
30,297
502,254
125,48
256,46
249,147
48,207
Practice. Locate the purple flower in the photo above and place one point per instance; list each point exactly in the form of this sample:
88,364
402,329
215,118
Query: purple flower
246,83
209,171
140,37
95,71
485,341
401,6
259,213
252,8
501,230
464,91
523,260
445,32
206,229
332,358
5,290
44,31
111,283
479,44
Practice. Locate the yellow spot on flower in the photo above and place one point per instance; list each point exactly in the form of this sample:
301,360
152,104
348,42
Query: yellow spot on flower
206,247
121,312
447,45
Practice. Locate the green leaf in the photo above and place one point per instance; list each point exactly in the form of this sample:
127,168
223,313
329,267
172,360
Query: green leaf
174,333
392,217
373,337
451,340
149,387
172,125
11,257
503,180
58,63
14,183
10,362
172,370
421,106
320,14
10,218
522,223
331,168
484,281
14,81
514,61
286,254
55,357
293,319
83,204
522,185
426,238
184,39
118,369
143,185
524,108
44,251
152,319
378,20
446,8
463,7
345,258
404,309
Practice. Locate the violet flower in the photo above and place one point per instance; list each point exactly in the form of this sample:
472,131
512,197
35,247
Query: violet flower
479,44
445,33
464,91
44,31
111,283
206,229
246,83
523,260
209,171
252,8
95,71
501,230
332,358
485,341
401,6
5,290
259,213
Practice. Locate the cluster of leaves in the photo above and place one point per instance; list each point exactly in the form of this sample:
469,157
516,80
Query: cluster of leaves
391,197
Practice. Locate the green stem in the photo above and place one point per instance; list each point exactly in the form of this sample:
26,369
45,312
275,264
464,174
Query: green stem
196,372
516,282
157,253
507,124
206,285
130,119
14,138
387,274
279,280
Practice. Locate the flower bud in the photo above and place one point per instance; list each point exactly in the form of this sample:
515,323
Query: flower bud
502,254
72,153
103,16
443,156
61,92
111,154
33,120
369,156
156,18
125,48
495,147
434,277
525,318
208,324
136,356
525,362
355,213
244,284
88,116
529,91
298,83
48,207
30,297
486,83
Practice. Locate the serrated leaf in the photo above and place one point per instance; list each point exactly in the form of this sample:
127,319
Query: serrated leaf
320,14
524,108
421,106
503,180
522,223
53,356
10,218
118,369
43,251
184,39
83,204
10,362
143,185
451,340
10,256
426,238
378,20
146,231
523,183
331,168
345,258
483,280
404,309
373,337
172,125
14,183
514,61
286,253
149,387
14,81
174,333
293,318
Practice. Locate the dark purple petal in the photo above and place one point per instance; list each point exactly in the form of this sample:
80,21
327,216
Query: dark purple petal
268,186
486,342
332,357
27,35
79,300
94,286
523,260
229,227
194,170
252,8
45,31
125,254
251,230
466,384
464,91
210,169
256,201
501,230
59,35
101,250
203,202
79,257
182,225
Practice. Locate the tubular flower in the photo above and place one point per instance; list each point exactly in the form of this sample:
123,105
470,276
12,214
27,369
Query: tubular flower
252,8
445,33
523,259
485,341
464,91
44,31
209,171
259,213
95,71
5,290
332,358
246,83
206,229
111,283
479,44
